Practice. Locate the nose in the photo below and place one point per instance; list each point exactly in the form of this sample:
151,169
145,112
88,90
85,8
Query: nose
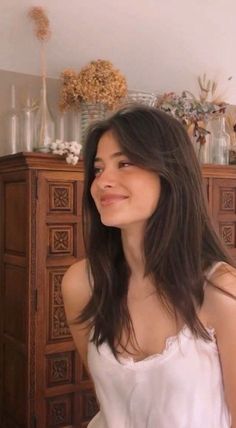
106,179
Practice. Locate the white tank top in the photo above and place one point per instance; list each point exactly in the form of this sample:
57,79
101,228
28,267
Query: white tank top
180,388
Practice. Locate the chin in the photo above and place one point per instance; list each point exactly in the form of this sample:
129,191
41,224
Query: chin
111,222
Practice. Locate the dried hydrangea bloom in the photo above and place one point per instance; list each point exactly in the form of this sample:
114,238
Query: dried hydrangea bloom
70,95
102,83
98,82
42,24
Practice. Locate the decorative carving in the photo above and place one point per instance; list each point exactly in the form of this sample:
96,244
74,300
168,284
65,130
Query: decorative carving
59,323
227,199
60,368
57,296
59,411
61,240
227,233
61,197
89,405
58,328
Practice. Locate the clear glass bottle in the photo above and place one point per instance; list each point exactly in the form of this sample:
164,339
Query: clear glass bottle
220,140
44,124
75,125
62,126
27,126
13,126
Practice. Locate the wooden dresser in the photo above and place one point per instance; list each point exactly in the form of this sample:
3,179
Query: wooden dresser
43,383
220,184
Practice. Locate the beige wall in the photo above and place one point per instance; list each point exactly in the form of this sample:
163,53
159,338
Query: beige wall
24,84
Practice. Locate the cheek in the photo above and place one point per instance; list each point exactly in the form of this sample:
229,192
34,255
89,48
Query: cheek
94,193
153,194
93,190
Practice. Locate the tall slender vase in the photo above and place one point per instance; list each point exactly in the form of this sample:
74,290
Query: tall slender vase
13,126
27,125
44,123
220,140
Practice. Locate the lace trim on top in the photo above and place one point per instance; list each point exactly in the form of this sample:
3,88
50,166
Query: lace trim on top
172,344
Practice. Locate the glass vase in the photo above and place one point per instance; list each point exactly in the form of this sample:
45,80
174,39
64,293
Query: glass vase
201,142
62,126
140,97
204,151
75,126
220,140
44,124
27,126
90,112
13,126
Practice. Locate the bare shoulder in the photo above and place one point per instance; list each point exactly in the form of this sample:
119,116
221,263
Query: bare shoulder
220,296
76,289
76,292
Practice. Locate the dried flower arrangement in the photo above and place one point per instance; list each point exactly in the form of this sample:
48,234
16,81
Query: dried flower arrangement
71,150
191,111
41,21
97,82
43,32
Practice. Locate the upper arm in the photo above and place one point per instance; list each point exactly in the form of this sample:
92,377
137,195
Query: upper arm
76,294
222,316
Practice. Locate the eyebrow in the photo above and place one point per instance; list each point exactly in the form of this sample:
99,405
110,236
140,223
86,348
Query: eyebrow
114,155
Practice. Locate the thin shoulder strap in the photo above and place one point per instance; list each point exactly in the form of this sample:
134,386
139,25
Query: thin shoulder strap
212,269
208,276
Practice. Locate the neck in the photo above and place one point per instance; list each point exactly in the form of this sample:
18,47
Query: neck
132,241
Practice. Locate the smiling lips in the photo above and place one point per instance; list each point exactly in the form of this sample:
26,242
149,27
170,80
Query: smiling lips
111,199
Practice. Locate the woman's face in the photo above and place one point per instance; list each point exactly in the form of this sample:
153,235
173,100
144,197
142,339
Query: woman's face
124,193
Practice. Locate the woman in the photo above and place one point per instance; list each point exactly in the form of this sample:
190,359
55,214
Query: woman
152,309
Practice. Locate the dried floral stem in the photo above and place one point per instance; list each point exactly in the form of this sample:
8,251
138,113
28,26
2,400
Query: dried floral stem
190,111
43,33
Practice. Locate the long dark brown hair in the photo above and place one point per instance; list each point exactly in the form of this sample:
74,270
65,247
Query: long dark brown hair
180,243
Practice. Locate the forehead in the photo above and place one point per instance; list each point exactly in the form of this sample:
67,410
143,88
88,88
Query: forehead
107,145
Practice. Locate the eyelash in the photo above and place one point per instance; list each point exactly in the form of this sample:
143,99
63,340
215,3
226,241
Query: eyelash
125,163
98,170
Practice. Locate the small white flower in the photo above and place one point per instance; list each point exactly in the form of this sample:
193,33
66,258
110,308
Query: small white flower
71,149
75,160
53,146
69,158
77,152
58,152
61,146
74,146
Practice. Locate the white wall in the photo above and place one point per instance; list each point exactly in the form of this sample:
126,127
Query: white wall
160,45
